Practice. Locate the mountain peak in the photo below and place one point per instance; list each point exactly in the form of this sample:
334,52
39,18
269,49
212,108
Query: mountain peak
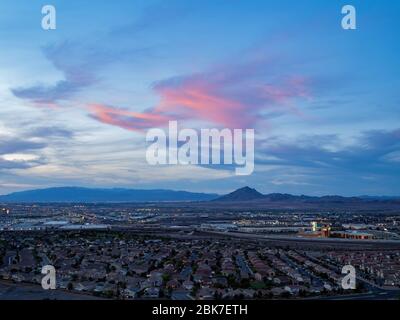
242,194
247,188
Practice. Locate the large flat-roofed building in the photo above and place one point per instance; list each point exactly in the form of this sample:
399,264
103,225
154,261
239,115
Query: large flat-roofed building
352,234
324,230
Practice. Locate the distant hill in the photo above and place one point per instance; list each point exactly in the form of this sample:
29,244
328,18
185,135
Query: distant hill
87,195
243,194
250,195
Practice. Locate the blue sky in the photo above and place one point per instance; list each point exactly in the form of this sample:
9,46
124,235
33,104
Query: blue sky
324,102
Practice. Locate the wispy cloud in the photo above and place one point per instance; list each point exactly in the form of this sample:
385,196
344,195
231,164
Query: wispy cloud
232,96
126,119
51,131
80,65
76,64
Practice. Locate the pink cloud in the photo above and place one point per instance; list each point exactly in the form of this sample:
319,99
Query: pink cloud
203,101
226,97
126,119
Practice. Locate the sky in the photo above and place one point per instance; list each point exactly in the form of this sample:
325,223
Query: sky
76,102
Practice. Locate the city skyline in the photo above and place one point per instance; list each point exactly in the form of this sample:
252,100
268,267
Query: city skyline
76,102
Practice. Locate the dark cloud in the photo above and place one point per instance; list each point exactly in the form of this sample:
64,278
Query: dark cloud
8,165
44,132
8,145
11,145
50,94
368,154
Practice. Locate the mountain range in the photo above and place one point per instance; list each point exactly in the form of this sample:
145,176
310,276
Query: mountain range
248,198
87,195
243,195
249,194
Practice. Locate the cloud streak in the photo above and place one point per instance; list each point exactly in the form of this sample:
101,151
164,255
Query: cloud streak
125,119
